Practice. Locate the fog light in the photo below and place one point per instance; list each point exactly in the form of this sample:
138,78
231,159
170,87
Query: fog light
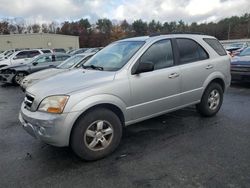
41,131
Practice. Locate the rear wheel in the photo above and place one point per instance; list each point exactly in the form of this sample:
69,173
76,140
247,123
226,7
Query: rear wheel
18,78
96,134
211,100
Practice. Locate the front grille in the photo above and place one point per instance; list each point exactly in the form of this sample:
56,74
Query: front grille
28,101
243,69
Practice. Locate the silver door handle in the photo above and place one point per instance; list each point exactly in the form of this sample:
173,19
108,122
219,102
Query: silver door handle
173,75
209,67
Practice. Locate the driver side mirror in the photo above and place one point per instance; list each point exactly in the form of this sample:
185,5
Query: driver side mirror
143,67
35,63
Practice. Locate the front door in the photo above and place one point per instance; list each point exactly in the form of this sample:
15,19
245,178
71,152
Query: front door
157,91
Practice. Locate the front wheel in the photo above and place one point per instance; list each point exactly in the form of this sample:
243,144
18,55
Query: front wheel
211,100
96,134
18,78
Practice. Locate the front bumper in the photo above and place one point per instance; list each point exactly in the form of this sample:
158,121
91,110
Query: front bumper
6,78
240,76
49,128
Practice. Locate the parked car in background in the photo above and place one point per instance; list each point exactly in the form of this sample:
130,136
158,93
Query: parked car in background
47,51
75,61
69,51
126,82
78,51
236,48
240,66
7,53
20,56
91,50
61,50
15,73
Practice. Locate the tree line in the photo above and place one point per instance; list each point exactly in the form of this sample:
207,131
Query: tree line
105,31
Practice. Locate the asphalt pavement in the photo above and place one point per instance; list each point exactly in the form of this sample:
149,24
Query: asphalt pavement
180,149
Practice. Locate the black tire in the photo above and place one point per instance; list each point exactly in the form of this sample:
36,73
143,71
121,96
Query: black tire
79,140
204,107
1,66
17,79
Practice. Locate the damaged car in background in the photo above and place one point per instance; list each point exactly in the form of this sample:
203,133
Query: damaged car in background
75,61
14,74
240,66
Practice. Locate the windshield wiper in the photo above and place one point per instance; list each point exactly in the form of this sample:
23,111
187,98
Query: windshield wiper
92,67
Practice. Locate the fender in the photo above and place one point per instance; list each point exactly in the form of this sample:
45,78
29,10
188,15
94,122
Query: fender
82,106
211,77
94,100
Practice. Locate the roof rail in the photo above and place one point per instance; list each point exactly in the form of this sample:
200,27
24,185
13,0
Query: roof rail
187,32
154,34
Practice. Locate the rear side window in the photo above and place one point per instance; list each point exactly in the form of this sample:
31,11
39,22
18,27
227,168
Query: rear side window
160,54
216,45
46,51
33,53
22,55
190,51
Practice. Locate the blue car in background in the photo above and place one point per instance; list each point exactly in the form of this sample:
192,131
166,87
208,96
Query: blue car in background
240,66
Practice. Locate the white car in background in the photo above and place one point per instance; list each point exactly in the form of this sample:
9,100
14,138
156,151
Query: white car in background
21,56
7,53
73,62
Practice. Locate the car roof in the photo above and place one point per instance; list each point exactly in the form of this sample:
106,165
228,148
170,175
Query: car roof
158,37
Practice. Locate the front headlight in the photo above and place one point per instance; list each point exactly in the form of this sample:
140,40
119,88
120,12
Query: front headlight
53,104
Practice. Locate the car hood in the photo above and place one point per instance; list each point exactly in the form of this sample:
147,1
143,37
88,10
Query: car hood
5,62
241,61
44,74
16,65
70,81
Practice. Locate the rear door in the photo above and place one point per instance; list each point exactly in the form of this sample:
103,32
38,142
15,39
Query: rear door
157,91
195,66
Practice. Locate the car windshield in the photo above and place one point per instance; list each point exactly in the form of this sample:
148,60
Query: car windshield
245,52
70,62
114,56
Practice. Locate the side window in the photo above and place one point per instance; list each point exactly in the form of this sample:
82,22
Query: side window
216,45
61,57
33,53
160,54
44,59
22,55
190,51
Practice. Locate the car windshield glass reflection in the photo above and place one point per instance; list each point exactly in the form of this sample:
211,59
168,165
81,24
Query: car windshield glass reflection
114,56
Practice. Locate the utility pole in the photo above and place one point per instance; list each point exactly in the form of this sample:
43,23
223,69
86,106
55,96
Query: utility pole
248,28
229,30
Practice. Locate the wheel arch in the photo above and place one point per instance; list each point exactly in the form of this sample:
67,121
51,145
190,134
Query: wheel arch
109,106
215,77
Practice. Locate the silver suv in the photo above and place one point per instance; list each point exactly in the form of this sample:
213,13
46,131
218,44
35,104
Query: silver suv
128,81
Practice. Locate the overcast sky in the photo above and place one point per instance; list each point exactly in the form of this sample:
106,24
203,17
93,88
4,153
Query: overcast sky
163,10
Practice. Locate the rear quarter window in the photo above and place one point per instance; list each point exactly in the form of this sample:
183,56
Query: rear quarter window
190,51
216,45
33,53
46,51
